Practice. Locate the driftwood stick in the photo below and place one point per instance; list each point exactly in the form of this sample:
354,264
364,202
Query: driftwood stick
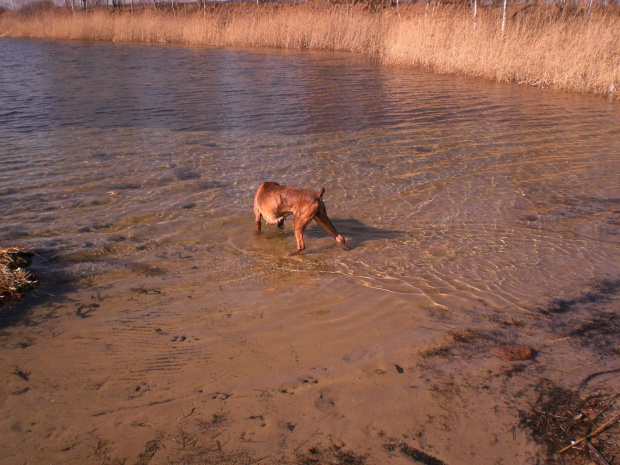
600,429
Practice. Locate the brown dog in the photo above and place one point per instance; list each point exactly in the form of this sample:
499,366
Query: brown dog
275,202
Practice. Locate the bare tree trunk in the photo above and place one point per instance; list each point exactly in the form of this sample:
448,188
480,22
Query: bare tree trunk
503,17
589,7
475,12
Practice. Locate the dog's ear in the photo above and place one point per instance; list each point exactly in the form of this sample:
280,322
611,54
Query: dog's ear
320,193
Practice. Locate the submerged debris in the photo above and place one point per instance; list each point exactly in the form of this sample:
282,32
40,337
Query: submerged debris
573,425
599,331
15,281
511,353
601,291
333,455
411,452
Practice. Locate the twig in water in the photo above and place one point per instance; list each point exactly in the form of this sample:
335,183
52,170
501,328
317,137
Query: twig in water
587,364
594,375
600,429
258,460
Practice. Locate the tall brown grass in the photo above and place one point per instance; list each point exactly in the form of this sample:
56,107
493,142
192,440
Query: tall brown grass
540,46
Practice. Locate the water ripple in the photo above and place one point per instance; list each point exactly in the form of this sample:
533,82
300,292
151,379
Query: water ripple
452,192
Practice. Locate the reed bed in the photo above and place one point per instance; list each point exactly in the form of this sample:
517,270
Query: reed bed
540,45
342,28
537,47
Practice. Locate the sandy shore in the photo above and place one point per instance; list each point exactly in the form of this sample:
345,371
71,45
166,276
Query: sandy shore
157,370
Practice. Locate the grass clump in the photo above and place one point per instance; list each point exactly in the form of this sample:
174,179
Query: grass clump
15,281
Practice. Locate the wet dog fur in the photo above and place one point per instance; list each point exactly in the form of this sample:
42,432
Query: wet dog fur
274,203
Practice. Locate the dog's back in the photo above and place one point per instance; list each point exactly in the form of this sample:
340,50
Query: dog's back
274,201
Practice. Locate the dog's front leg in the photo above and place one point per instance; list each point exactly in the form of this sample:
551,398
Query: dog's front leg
257,217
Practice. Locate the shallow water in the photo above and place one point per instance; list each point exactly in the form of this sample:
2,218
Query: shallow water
450,191
131,170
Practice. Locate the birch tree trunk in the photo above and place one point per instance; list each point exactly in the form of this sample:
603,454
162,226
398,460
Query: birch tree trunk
475,5
503,17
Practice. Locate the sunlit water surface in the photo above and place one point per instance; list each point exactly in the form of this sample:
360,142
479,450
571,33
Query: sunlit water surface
122,160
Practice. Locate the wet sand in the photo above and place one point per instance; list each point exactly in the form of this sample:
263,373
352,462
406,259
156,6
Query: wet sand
147,368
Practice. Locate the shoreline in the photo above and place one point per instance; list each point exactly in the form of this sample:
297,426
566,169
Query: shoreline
566,52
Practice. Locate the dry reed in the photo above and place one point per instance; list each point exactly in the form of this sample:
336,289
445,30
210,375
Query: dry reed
537,48
540,45
15,281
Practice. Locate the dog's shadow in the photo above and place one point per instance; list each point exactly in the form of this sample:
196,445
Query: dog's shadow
355,232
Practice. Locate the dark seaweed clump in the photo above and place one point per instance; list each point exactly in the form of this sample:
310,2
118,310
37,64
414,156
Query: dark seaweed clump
600,331
590,319
417,455
602,291
333,455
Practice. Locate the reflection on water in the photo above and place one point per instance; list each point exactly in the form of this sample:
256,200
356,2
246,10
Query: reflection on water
452,193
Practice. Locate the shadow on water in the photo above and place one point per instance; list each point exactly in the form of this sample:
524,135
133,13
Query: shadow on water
355,232
48,295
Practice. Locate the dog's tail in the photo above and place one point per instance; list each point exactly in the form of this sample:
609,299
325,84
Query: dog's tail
320,193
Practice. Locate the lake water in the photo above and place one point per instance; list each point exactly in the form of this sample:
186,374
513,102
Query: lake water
131,170
447,189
